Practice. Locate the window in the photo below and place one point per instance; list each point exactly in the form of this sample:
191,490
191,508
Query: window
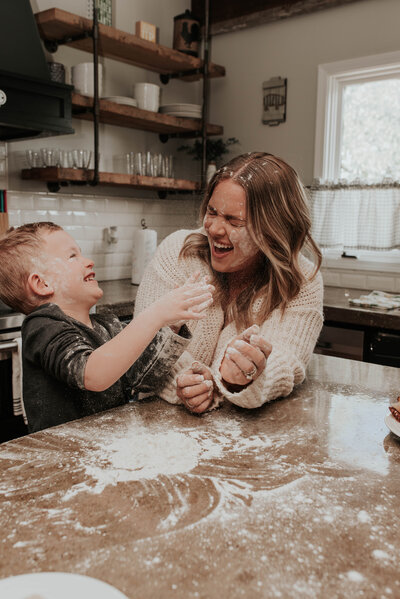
356,200
370,135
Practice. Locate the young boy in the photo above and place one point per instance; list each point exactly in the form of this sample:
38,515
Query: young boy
76,363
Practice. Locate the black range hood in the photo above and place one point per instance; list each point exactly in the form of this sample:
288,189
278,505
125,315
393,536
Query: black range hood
31,104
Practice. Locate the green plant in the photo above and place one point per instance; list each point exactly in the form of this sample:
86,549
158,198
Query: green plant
215,149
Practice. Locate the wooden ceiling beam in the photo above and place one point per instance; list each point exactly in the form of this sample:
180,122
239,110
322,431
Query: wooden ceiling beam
234,15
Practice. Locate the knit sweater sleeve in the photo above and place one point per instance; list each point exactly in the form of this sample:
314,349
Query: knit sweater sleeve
293,337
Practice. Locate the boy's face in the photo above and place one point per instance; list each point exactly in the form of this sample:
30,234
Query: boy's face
68,273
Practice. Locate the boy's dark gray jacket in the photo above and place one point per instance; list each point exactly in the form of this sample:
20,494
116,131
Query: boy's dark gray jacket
55,349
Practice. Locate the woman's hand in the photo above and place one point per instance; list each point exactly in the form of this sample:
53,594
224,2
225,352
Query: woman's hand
195,388
245,358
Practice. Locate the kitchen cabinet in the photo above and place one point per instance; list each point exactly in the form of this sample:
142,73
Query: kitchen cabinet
57,26
367,334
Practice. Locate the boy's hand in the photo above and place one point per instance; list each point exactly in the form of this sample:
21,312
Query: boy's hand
188,302
195,388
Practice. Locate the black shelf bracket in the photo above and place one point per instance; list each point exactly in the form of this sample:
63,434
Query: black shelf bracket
53,187
164,137
52,45
165,77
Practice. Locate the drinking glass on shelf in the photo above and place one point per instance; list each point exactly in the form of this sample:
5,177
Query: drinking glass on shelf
157,165
34,159
168,166
66,159
149,164
138,163
50,156
122,163
81,158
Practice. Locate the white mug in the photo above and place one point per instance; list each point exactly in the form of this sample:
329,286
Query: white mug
147,96
82,78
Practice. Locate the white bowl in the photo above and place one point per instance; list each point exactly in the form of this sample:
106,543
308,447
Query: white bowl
82,78
147,96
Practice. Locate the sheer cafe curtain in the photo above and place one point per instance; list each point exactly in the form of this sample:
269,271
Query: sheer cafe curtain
363,217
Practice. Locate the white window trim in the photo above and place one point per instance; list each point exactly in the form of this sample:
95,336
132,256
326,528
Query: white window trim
331,79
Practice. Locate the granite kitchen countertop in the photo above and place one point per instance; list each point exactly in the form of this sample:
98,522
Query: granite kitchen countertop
119,297
298,498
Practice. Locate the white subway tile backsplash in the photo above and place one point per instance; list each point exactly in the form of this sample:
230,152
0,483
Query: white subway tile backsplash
14,218
94,205
21,201
68,203
46,203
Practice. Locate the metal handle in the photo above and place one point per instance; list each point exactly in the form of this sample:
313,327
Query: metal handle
3,97
8,345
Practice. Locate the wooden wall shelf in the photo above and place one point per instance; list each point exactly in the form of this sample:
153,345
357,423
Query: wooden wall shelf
123,115
55,24
73,175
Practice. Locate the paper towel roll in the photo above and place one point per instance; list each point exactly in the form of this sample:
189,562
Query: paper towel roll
144,246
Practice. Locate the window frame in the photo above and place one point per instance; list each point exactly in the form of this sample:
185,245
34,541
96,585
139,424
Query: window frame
332,77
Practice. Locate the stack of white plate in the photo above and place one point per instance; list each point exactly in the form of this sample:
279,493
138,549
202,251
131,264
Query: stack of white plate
122,100
190,110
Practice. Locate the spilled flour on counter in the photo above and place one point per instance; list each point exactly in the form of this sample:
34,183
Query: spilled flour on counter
143,456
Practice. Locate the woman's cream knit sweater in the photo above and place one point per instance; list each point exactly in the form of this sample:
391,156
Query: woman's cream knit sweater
292,337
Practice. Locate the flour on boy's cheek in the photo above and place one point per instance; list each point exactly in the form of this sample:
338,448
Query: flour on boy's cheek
60,278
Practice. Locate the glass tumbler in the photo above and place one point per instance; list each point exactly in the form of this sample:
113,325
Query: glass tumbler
50,156
34,159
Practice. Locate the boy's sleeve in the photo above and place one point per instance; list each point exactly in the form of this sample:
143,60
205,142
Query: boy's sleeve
57,348
153,366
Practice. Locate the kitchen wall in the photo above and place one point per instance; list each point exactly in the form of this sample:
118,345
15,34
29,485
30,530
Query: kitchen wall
294,48
290,48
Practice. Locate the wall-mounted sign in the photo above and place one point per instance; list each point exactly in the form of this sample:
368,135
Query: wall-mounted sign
274,108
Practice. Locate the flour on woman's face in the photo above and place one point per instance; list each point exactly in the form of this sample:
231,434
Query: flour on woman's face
231,246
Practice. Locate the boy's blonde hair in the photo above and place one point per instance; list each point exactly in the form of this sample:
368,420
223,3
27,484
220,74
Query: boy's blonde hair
18,247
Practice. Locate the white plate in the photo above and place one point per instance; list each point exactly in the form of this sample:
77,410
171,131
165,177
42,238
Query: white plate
180,107
392,424
122,100
190,115
56,585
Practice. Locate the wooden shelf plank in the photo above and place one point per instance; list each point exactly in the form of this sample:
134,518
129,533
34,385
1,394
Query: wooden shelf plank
56,24
60,175
122,115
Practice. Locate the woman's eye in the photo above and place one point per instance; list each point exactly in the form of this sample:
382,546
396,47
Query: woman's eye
237,223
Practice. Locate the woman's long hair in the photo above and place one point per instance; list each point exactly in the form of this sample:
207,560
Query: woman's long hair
279,223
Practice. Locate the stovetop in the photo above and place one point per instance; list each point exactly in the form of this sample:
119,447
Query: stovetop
10,320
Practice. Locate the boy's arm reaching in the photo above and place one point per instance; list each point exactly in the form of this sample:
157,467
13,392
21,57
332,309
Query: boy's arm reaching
109,362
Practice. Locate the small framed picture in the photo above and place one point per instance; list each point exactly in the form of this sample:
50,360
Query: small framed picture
105,11
274,104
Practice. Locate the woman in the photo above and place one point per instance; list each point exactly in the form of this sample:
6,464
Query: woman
258,336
